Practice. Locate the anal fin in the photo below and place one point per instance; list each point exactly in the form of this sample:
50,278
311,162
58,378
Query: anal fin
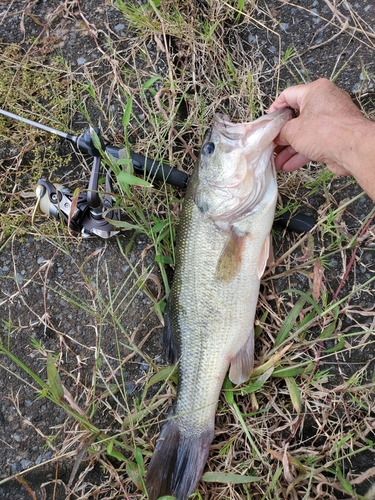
242,364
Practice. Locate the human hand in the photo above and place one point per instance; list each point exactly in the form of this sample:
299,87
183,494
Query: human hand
326,118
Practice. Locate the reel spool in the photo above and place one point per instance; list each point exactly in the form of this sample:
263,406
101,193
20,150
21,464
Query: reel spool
56,200
47,203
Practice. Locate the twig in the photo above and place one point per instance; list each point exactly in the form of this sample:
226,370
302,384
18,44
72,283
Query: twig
352,258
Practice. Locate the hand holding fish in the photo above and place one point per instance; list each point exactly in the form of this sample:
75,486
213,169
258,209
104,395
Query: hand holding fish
330,129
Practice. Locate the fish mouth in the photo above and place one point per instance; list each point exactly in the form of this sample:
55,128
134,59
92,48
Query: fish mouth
237,178
235,131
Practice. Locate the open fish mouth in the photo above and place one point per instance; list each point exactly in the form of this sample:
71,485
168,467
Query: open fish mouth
236,164
255,134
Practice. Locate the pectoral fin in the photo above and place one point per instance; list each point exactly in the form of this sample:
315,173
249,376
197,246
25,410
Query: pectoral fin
242,364
231,257
271,257
265,256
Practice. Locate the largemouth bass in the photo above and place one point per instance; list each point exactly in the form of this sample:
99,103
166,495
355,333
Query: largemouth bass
223,244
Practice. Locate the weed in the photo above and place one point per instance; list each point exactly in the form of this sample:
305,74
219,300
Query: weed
294,426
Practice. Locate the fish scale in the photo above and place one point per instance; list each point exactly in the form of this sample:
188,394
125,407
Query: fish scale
222,247
201,319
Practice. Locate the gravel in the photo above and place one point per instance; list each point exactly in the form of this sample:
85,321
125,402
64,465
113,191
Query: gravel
36,276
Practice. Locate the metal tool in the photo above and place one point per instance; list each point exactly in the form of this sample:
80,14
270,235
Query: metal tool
88,213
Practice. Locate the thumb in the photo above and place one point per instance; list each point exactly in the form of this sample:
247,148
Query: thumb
287,133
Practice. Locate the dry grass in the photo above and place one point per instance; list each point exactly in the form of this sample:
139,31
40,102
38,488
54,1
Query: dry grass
295,428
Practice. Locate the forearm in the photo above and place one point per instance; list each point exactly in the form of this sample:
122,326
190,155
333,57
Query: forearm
329,129
357,153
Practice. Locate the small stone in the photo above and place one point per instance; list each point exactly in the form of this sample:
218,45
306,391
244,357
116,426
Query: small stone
19,278
25,464
356,87
17,437
16,467
251,38
129,387
81,61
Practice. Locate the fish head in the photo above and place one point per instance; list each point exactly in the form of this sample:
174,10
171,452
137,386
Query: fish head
236,165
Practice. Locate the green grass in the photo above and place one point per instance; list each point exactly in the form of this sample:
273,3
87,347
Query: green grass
292,429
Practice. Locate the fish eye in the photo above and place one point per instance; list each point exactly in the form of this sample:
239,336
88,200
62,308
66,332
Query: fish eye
208,149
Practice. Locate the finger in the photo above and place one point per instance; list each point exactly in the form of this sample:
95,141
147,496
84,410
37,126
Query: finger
287,133
290,97
295,162
288,160
280,103
283,155
290,134
280,142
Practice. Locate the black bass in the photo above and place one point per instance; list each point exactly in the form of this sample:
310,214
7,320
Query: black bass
223,244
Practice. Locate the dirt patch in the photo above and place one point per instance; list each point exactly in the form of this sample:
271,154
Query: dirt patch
92,303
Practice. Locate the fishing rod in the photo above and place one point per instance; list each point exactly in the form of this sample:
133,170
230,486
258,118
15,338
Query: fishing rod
90,214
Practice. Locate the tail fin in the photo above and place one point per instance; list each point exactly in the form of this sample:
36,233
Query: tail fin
178,461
